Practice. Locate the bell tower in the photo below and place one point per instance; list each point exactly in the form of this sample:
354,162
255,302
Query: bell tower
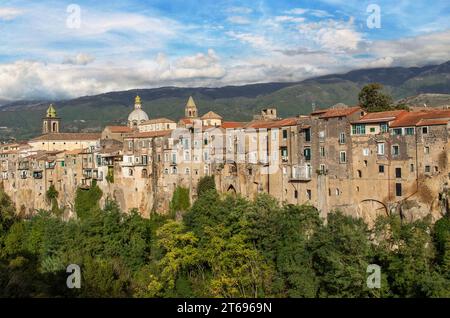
190,111
50,123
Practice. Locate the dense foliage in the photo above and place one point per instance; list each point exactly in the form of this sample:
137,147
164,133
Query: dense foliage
372,99
223,247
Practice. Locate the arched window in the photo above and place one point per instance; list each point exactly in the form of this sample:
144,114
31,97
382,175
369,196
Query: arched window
144,173
130,172
55,127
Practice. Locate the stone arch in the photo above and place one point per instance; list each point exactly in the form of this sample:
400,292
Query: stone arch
370,209
231,190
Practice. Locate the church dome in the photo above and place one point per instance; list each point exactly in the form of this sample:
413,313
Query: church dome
137,116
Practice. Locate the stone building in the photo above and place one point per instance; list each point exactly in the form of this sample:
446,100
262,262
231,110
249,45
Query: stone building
365,164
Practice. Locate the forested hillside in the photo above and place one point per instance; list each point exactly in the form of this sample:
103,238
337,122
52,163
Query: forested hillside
218,247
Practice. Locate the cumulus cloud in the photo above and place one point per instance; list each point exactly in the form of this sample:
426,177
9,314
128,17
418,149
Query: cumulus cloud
35,80
8,14
336,36
79,59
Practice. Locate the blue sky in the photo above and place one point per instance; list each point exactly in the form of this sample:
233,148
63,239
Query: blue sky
137,44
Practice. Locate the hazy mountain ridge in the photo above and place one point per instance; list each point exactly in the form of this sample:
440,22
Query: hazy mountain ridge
23,118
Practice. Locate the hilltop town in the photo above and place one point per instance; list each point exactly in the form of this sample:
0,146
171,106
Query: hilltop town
339,158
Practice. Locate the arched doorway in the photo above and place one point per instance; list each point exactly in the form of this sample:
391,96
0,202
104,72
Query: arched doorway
231,190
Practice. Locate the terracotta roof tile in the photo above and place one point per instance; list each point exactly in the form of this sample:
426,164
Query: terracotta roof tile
381,116
149,134
233,124
162,120
119,129
417,118
340,112
211,115
68,136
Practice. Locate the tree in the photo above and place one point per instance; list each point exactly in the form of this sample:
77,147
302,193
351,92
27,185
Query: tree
373,100
7,213
340,254
180,201
52,196
87,201
205,184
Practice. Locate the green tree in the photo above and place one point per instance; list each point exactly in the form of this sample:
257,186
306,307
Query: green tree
87,201
340,254
180,202
52,196
205,184
372,99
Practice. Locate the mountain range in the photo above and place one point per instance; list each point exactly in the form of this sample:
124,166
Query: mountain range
22,119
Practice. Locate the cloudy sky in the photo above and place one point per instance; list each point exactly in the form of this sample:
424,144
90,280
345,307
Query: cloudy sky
64,49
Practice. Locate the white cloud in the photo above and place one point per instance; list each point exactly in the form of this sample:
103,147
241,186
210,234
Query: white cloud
238,19
290,19
9,13
332,35
239,10
255,40
297,11
312,12
79,59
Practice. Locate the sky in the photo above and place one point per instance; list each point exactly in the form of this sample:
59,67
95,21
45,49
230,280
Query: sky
64,49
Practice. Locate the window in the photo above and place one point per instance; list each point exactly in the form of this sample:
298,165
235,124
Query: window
427,169
295,194
307,153
285,133
425,130
322,168
359,129
338,192
130,172
383,127
372,129
308,194
359,174
342,157
187,171
342,138
409,131
411,167
426,150
366,152
396,131
284,153
398,172
322,151
398,189
144,173
380,168
308,134
365,163
380,149
395,150
322,135
130,145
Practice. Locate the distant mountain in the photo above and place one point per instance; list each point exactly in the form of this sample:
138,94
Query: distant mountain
426,100
91,113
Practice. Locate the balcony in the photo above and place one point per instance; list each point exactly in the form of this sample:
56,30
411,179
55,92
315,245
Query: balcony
301,173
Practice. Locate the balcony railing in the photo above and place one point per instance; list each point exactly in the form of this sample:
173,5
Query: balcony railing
301,173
